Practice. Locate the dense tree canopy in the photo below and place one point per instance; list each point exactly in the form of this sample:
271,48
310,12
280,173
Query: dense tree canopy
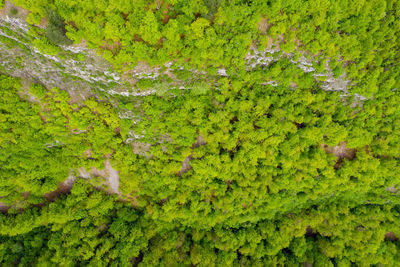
267,135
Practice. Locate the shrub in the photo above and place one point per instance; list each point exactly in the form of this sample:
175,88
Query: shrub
55,31
13,11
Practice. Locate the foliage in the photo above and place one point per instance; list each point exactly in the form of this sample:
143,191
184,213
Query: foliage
43,139
13,11
88,227
55,30
208,34
226,162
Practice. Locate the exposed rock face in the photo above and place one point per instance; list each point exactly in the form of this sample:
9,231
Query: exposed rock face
79,77
110,175
264,58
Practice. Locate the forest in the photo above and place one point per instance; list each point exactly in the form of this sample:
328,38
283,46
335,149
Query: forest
199,133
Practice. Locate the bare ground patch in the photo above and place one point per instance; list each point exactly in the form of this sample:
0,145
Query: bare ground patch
185,164
43,23
8,8
263,26
114,47
140,148
3,207
391,236
341,151
82,44
63,188
110,175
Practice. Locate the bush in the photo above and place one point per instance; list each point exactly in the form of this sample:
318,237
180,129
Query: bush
55,31
13,11
212,6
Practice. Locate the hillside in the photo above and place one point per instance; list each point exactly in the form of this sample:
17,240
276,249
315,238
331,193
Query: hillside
199,133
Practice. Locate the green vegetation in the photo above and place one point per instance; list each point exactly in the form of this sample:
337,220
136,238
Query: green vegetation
13,11
55,30
263,133
349,32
